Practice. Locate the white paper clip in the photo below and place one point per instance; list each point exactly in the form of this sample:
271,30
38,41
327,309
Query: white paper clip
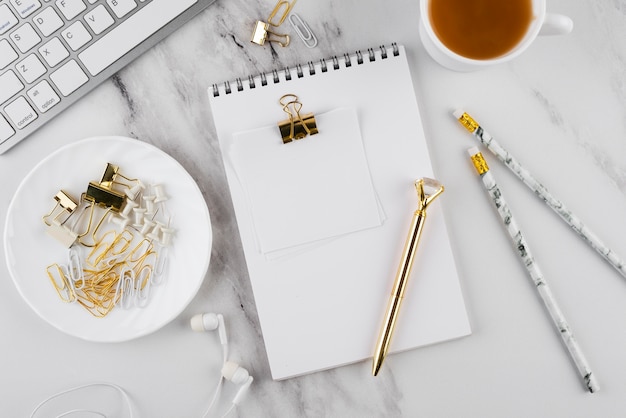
75,268
159,267
125,288
303,30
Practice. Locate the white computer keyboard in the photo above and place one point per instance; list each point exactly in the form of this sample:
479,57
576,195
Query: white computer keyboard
52,52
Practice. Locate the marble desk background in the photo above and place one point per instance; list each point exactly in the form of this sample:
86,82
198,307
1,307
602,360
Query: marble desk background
560,108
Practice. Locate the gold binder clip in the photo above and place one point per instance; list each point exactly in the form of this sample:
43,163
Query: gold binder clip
262,32
103,194
297,126
109,176
112,177
66,203
63,209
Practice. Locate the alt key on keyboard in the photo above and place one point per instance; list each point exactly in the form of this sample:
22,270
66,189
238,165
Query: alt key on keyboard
6,131
43,96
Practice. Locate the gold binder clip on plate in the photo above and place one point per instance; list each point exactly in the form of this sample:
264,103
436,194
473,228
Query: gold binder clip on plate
262,32
102,193
109,176
104,196
66,203
58,216
112,176
297,126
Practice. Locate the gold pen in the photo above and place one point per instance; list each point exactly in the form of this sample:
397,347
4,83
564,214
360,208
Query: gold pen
404,270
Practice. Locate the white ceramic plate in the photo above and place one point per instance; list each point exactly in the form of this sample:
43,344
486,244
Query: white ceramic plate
29,249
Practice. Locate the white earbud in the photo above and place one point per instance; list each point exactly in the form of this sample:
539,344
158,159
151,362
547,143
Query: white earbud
235,373
204,322
230,371
210,322
240,394
239,376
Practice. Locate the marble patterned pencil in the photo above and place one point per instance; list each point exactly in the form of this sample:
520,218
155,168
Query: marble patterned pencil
532,267
539,189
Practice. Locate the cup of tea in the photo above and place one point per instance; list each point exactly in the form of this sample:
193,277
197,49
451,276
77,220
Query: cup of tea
467,35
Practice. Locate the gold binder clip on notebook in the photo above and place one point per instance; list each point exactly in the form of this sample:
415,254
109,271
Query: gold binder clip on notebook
262,32
297,126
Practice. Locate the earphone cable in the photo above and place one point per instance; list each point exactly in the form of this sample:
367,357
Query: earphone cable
111,385
219,384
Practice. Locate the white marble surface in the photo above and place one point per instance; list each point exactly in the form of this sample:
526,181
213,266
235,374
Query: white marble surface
560,108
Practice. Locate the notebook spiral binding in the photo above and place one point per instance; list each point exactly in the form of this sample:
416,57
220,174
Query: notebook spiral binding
335,62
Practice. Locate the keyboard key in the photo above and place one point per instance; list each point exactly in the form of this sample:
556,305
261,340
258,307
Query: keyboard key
25,37
130,33
76,35
70,8
43,96
6,131
20,112
7,19
9,85
7,53
121,7
25,7
99,19
68,77
48,21
30,68
53,52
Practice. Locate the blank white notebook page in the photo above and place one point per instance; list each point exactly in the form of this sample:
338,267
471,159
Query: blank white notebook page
323,306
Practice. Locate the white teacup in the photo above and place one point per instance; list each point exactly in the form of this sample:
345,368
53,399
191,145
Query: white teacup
542,23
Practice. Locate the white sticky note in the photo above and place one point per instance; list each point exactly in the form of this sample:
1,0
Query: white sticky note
308,190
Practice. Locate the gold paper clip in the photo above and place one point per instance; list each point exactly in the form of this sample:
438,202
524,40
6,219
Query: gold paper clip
62,285
261,34
297,126
287,8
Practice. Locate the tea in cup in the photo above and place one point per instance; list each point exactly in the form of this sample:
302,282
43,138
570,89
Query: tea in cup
466,35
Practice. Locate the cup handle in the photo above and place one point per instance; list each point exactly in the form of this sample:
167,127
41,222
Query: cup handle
555,24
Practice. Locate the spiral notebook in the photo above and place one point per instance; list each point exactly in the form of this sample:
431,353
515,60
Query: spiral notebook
323,219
